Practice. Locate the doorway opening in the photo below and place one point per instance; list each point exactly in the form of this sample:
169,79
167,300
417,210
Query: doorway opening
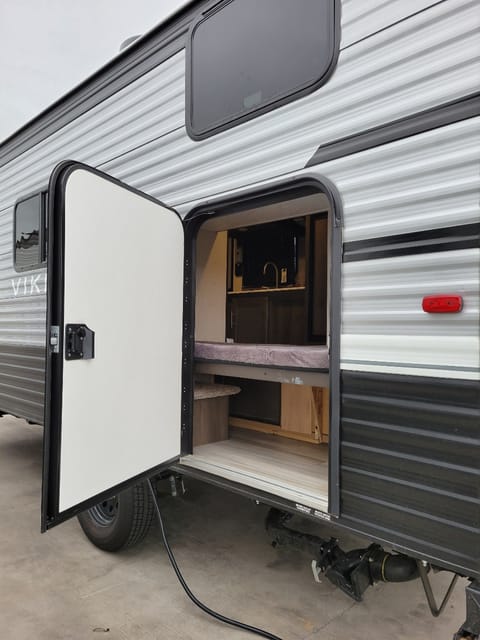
261,409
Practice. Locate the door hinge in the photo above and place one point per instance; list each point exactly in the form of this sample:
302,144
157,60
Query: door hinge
54,339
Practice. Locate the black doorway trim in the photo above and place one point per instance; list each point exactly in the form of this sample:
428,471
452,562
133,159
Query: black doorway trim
440,116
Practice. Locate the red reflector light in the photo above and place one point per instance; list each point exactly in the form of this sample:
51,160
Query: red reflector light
442,304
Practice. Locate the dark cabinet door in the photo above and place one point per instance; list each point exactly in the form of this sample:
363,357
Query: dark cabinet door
248,318
270,318
286,318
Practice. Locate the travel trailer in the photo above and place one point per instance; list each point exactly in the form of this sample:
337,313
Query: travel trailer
247,251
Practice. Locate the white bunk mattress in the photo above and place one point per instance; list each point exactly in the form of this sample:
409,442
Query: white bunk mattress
282,356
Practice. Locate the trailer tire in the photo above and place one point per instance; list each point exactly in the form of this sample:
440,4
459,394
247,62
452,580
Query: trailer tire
121,522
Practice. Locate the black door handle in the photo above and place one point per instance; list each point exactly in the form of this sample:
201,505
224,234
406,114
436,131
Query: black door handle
79,342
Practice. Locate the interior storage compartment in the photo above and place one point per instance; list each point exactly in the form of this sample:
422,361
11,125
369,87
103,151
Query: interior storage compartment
261,410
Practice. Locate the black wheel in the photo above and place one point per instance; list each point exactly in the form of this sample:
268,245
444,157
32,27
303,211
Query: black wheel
121,521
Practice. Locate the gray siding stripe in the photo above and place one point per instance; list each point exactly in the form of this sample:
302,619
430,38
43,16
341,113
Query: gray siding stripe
440,116
405,483
409,464
22,381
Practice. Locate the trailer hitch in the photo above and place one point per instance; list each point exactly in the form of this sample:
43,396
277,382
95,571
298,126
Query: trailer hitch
351,571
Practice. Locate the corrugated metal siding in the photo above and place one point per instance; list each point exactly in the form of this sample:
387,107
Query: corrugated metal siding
375,82
22,295
418,183
383,320
429,59
423,182
22,319
361,19
427,181
144,111
22,376
409,463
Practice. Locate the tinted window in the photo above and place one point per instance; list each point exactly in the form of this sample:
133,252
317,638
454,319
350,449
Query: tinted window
247,55
28,231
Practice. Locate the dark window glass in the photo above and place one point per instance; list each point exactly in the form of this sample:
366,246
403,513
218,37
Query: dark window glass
249,54
28,228
273,243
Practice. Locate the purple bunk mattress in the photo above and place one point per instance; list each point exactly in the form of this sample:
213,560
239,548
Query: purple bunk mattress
282,356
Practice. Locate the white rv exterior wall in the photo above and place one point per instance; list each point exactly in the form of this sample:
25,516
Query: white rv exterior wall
426,181
361,19
429,59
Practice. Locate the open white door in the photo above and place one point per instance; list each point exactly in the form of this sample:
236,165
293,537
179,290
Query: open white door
114,332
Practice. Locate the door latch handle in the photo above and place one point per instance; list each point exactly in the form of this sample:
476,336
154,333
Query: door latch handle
79,342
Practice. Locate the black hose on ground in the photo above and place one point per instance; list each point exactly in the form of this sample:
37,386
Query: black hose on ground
193,598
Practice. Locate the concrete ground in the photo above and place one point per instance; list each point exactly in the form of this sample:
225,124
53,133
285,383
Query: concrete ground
58,586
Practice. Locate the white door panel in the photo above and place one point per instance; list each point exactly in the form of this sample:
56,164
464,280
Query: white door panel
120,411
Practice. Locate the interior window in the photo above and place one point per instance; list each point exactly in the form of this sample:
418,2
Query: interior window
29,251
247,56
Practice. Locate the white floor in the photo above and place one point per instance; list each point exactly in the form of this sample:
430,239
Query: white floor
294,470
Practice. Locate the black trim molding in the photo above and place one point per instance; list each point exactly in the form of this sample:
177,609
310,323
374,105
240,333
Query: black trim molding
440,116
465,236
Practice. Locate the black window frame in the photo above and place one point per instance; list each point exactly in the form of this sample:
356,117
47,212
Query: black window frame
283,99
42,232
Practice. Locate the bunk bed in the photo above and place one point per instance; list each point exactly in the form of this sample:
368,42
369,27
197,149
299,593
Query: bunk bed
313,358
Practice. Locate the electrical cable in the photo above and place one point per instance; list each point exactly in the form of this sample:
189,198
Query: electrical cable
193,598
